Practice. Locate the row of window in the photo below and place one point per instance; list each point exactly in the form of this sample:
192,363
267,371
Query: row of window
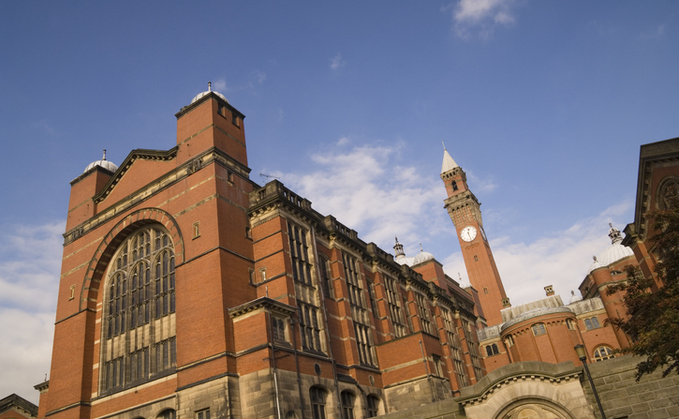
309,311
539,329
138,365
319,396
601,353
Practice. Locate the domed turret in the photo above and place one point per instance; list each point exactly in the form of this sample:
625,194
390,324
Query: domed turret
108,165
422,256
615,252
207,92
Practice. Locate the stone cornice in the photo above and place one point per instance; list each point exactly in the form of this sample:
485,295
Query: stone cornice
263,303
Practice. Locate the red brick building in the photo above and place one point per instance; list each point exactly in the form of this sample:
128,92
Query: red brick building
188,290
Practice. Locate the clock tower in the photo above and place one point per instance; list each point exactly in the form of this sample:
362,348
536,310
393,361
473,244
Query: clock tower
464,211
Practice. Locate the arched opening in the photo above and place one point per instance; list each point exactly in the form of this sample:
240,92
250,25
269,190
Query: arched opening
138,327
347,398
318,397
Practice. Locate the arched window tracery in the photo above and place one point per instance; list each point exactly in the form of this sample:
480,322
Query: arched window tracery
138,326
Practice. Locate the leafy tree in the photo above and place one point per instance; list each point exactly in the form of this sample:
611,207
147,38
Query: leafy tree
653,323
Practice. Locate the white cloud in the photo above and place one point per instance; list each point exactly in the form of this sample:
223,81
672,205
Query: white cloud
559,258
260,76
219,85
30,259
337,62
367,189
657,32
480,16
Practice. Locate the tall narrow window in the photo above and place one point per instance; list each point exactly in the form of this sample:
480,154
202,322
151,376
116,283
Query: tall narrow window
326,280
139,287
373,405
299,251
359,313
317,396
473,347
423,311
395,306
309,327
455,345
347,404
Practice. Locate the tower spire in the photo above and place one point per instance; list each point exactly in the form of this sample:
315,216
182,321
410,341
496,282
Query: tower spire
448,162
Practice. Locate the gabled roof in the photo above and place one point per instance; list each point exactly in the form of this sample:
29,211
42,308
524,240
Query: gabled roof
14,400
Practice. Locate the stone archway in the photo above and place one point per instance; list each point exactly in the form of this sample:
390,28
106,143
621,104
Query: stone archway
528,390
533,409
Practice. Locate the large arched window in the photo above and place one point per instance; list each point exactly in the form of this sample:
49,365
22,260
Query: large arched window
603,352
138,327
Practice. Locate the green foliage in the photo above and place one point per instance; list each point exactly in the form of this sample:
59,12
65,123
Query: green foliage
653,325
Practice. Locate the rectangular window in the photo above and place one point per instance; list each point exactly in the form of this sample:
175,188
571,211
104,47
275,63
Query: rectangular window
473,348
353,281
309,327
363,342
203,414
455,345
278,329
592,323
299,252
395,306
438,368
423,311
326,281
539,329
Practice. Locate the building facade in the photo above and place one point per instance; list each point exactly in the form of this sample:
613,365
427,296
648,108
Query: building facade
187,289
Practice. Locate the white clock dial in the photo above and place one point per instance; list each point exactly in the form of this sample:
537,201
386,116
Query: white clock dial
468,233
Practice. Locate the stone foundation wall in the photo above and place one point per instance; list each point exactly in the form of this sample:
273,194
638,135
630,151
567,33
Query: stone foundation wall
416,393
653,397
221,396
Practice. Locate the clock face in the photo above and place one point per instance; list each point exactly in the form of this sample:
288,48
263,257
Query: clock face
468,233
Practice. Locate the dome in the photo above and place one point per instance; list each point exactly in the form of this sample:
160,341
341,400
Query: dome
422,257
108,165
615,252
208,91
574,298
404,260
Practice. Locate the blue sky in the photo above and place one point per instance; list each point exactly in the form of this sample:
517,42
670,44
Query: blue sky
543,104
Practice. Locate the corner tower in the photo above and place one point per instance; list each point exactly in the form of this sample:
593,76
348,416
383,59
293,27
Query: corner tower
464,210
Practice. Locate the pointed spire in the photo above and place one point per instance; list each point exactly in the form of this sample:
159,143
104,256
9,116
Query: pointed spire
448,162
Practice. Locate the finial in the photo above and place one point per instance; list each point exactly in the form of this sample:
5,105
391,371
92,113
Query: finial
209,86
594,257
573,293
104,157
614,234
444,146
421,249
398,248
